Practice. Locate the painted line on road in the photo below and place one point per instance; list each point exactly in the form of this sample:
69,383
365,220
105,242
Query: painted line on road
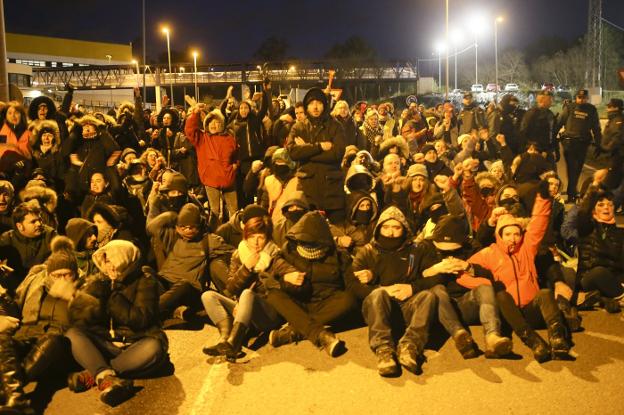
609,337
206,396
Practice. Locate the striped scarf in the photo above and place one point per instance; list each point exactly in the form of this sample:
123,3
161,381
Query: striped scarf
311,253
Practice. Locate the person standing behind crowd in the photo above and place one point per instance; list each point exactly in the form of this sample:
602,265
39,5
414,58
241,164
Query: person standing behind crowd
471,117
352,133
538,126
581,128
317,144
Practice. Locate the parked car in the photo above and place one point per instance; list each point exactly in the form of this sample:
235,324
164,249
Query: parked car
492,88
457,92
511,87
476,88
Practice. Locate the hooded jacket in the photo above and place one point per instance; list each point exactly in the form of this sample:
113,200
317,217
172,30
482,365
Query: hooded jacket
360,234
319,173
248,131
231,232
325,276
217,154
283,225
125,309
52,160
516,269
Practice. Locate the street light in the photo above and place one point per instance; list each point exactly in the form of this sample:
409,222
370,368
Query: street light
109,57
476,26
165,30
455,38
195,54
498,20
440,47
136,64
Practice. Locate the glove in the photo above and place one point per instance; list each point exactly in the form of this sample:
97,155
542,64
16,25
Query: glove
557,154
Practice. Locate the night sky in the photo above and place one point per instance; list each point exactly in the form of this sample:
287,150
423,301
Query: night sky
230,31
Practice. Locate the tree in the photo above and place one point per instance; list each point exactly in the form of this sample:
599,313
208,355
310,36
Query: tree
512,68
272,49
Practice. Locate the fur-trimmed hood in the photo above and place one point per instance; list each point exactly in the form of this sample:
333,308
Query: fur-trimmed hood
38,126
109,120
386,145
43,195
89,119
33,108
216,113
175,118
126,105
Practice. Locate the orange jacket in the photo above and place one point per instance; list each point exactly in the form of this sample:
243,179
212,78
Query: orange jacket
18,144
516,269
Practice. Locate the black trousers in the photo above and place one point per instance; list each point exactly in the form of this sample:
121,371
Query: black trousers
309,318
540,312
604,280
574,151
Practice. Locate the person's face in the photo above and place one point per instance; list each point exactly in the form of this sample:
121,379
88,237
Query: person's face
13,116
392,164
300,114
230,103
509,192
4,202
382,110
467,101
391,229
243,110
47,139
448,107
343,111
440,147
418,184
174,193
152,156
42,111
110,269
31,226
544,101
604,210
497,172
532,150
365,205
256,241
101,223
91,241
129,157
215,126
88,131
167,120
408,133
187,232
361,159
98,184
553,186
315,108
511,237
431,156
373,121
581,100
64,273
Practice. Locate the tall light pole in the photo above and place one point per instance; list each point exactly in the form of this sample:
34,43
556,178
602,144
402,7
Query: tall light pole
166,32
446,42
439,49
109,57
138,71
195,54
498,20
455,38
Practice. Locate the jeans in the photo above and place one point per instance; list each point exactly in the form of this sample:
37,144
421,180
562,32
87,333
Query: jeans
378,308
178,293
477,305
96,354
309,319
541,311
603,280
251,310
214,200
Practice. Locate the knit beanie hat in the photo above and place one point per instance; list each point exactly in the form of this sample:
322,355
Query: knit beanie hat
253,211
451,228
62,256
189,215
417,170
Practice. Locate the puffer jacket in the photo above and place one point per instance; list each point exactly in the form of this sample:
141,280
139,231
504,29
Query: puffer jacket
600,244
516,269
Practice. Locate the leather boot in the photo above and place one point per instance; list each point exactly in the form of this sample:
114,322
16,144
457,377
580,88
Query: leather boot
222,346
333,346
12,376
48,350
557,337
236,339
541,350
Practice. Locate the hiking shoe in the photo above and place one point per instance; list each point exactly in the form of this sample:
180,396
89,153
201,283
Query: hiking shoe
410,357
386,362
114,390
331,344
611,305
284,335
465,344
497,346
80,381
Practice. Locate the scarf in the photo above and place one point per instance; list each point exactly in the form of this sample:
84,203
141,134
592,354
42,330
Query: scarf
371,133
311,252
266,255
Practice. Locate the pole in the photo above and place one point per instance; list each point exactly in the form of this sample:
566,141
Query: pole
138,74
109,57
439,71
170,73
4,76
446,42
455,52
476,60
195,75
496,59
144,58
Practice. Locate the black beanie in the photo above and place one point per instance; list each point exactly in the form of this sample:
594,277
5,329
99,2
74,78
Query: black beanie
189,215
451,228
62,256
253,211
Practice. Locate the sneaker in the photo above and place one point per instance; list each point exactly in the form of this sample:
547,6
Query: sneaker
386,362
331,344
465,344
80,381
587,301
497,346
114,390
284,335
410,357
611,305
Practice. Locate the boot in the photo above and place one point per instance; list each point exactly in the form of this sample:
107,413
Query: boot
114,390
541,350
222,346
284,335
12,376
386,362
465,344
411,357
48,350
558,341
497,346
333,346
235,341
572,317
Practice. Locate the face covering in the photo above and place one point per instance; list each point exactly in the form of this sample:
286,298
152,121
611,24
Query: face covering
390,244
281,170
359,182
294,215
435,215
362,217
175,203
486,191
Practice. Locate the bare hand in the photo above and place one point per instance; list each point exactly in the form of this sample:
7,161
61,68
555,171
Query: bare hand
8,323
400,291
229,91
299,141
295,278
365,276
496,214
443,182
501,139
344,241
63,289
326,145
256,166
169,133
419,158
251,260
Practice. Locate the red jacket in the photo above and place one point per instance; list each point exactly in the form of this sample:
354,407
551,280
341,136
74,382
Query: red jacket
217,158
516,269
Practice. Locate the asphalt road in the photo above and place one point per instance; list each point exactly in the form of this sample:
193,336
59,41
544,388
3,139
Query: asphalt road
299,379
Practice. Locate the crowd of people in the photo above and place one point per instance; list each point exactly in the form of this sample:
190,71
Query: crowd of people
293,220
